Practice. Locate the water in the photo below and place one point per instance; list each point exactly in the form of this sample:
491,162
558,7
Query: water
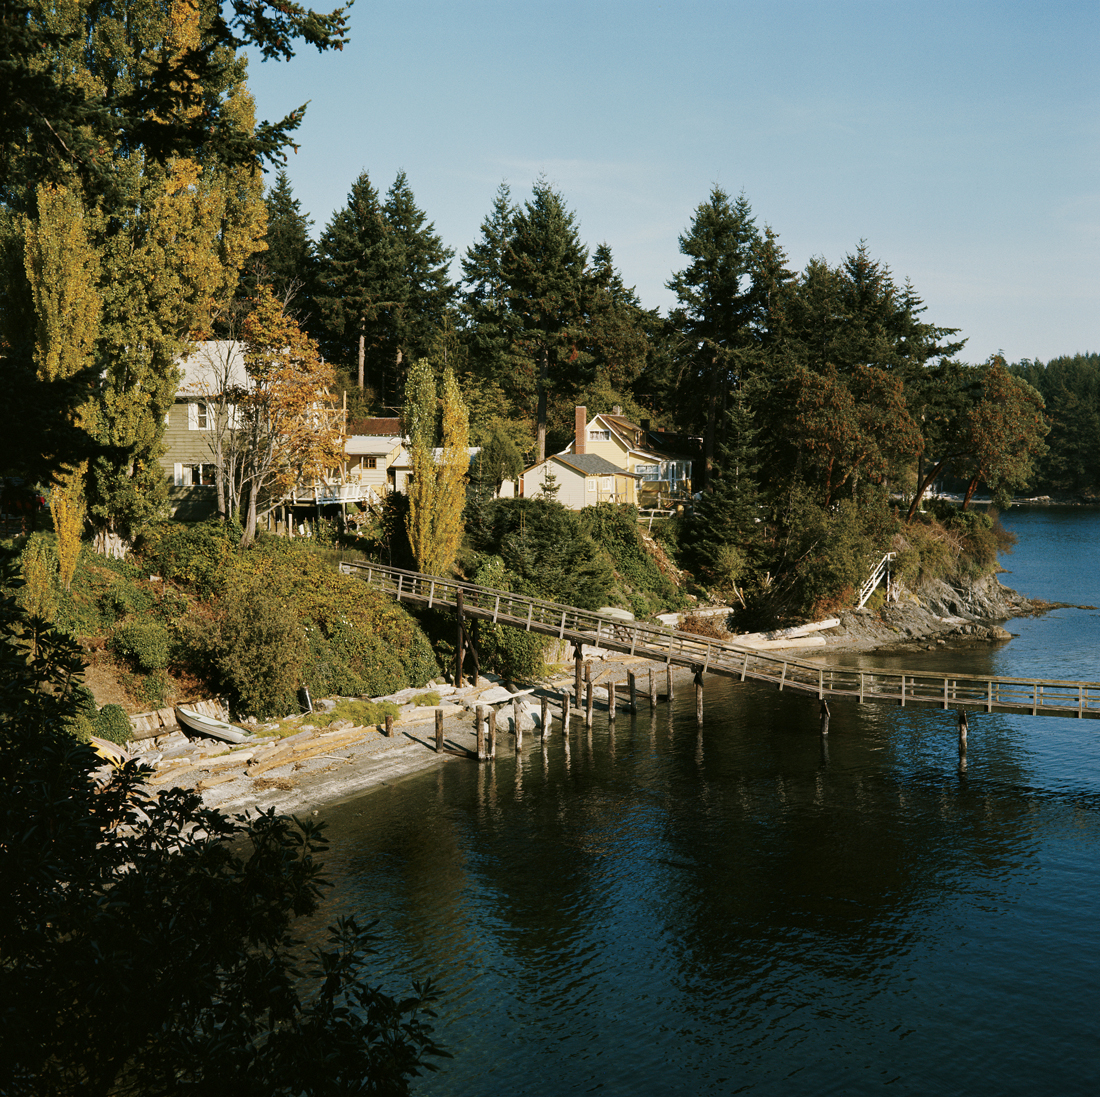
660,911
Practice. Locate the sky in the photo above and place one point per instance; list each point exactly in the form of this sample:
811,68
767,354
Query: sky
959,140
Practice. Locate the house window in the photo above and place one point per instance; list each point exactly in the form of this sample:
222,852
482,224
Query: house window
607,484
599,436
370,462
200,416
648,472
591,485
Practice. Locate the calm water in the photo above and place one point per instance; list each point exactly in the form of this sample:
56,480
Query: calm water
663,911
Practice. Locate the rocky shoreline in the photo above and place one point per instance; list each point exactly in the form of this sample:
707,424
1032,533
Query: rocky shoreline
327,766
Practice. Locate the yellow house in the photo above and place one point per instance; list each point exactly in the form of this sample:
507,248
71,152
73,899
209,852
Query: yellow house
656,477
582,480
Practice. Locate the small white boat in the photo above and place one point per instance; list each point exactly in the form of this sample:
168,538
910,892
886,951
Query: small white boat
191,721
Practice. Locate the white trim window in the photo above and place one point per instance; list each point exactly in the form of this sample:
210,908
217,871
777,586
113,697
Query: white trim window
200,415
599,436
591,485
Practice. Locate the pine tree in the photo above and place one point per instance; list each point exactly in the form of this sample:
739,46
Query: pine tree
719,303
546,271
420,272
357,282
288,261
485,297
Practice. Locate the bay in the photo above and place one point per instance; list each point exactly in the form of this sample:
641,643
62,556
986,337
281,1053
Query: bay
660,909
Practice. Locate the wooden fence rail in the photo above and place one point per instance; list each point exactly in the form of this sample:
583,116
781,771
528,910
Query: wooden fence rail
1025,696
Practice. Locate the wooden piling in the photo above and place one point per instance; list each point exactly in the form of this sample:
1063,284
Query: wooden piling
565,699
544,705
516,724
577,659
588,707
481,752
824,717
460,646
611,701
962,733
698,695
438,730
389,725
668,682
652,691
632,685
492,732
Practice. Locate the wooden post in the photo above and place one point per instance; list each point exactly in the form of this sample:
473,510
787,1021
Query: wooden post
611,701
577,660
698,695
481,733
632,682
389,725
492,732
668,680
652,691
438,730
544,705
517,726
962,733
588,671
588,707
824,717
460,646
565,699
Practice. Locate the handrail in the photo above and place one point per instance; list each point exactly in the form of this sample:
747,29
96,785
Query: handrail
1028,696
881,568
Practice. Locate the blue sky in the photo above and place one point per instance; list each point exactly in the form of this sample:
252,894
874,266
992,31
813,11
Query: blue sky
961,140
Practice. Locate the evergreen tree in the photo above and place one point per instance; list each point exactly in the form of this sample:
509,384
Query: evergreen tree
546,271
485,302
289,260
424,291
719,305
357,284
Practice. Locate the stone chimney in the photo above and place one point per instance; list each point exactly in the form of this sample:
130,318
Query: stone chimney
617,409
580,428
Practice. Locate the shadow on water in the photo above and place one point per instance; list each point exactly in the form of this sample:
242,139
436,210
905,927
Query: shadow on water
657,908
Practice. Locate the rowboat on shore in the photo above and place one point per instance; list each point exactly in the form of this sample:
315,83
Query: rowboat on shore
192,722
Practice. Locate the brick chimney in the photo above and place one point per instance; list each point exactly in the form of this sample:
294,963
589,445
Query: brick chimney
580,424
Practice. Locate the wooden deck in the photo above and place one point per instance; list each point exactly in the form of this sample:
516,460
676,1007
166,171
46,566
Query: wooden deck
972,693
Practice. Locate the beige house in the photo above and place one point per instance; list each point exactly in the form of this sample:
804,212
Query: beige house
212,368
657,477
582,480
375,449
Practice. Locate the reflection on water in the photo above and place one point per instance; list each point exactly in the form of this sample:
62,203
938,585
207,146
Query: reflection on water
659,910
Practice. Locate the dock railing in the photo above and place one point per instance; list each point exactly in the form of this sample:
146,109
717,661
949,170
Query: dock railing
1025,696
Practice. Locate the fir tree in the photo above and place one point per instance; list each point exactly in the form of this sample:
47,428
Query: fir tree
719,303
546,271
357,282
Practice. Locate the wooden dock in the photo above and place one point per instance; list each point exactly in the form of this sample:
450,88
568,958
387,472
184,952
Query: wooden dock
966,692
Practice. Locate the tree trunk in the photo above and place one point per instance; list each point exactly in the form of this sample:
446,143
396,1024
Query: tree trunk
970,489
926,482
249,534
712,417
362,360
544,359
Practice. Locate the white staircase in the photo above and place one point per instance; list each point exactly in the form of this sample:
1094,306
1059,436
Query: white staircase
882,571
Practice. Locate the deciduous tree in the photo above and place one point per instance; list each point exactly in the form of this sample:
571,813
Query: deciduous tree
289,433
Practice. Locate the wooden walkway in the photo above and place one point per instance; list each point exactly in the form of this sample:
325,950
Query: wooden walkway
1023,696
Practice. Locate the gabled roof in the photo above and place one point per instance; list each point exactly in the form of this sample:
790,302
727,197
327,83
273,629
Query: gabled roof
590,464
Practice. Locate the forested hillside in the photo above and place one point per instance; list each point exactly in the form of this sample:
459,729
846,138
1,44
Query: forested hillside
1070,387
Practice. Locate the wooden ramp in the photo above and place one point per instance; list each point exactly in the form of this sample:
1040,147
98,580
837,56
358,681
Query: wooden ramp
1024,696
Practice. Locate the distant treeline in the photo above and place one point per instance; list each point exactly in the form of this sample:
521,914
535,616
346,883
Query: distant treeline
1070,387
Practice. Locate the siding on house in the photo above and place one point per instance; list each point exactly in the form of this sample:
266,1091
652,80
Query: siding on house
583,480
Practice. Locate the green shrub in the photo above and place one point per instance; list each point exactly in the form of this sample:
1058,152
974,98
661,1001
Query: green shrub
112,723
507,651
259,651
144,643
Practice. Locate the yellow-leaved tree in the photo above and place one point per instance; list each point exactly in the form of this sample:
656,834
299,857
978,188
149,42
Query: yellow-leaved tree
437,487
289,431
63,270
